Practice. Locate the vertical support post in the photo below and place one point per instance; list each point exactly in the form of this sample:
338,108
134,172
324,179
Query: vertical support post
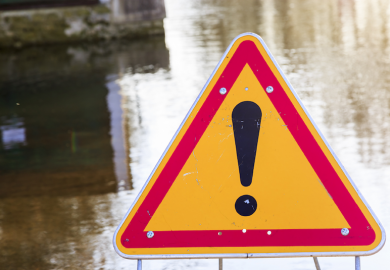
316,263
139,264
220,264
357,263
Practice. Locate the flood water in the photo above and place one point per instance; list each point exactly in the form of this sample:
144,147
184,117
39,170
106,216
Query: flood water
82,126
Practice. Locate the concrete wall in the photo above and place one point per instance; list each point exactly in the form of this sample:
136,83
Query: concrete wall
137,10
114,19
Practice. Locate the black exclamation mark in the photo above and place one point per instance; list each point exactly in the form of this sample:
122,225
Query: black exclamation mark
246,118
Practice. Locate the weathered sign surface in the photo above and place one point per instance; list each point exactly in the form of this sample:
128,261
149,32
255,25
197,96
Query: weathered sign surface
248,174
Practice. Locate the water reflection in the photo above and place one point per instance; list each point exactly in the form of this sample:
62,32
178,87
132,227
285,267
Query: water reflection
112,105
13,132
63,140
57,118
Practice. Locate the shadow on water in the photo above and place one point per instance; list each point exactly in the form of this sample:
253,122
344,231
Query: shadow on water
55,116
62,137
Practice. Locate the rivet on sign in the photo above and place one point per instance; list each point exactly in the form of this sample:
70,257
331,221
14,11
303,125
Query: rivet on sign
344,231
127,240
149,234
222,91
269,89
244,230
246,88
220,233
269,232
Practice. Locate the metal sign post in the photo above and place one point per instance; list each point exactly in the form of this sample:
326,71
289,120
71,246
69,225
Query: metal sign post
317,265
357,263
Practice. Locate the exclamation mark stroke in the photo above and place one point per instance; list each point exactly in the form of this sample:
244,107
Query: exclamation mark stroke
246,118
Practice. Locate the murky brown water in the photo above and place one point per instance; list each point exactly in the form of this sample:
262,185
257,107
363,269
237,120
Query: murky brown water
93,120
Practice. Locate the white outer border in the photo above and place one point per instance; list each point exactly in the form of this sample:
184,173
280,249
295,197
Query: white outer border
251,255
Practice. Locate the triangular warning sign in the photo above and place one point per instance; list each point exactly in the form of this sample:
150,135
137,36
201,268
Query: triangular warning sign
248,174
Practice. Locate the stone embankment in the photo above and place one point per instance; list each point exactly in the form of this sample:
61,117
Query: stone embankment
114,19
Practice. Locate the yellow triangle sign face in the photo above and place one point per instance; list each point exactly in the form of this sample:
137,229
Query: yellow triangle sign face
248,174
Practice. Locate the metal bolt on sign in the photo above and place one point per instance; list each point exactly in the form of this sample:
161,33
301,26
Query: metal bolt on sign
344,231
149,234
269,89
222,91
